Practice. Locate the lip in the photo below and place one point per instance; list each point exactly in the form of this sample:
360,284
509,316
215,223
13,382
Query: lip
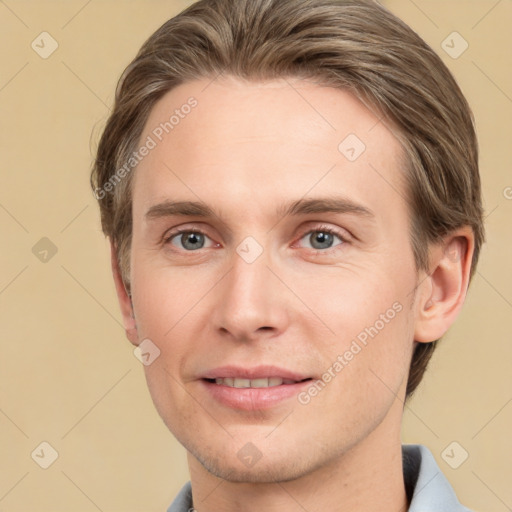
256,372
253,399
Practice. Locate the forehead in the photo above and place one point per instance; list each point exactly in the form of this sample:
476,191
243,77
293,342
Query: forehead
216,140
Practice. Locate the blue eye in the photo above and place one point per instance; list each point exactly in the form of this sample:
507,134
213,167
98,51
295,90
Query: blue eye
322,238
189,240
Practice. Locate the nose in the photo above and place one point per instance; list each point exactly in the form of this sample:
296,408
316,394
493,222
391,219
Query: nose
253,302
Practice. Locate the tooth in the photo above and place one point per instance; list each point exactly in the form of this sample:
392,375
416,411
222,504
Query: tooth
259,383
252,383
242,383
275,381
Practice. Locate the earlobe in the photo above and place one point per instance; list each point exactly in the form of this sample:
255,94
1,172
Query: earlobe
443,291
125,301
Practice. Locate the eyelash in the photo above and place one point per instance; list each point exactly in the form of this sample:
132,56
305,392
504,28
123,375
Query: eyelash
318,229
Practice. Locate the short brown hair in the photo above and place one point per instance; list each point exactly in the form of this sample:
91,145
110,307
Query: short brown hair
355,45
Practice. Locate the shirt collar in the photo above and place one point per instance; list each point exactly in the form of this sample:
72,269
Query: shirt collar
431,490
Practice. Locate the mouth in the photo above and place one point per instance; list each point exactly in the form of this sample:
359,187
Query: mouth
251,389
265,382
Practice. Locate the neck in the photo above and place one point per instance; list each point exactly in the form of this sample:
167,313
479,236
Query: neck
368,477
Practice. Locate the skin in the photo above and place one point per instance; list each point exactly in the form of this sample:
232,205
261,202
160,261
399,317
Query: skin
246,149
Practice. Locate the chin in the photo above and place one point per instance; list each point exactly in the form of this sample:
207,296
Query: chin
270,472
280,468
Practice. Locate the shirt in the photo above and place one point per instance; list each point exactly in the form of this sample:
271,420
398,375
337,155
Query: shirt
425,485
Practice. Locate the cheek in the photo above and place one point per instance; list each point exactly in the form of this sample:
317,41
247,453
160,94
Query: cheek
352,300
369,341
164,296
164,310
164,306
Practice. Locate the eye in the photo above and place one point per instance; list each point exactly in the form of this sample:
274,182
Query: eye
323,238
189,240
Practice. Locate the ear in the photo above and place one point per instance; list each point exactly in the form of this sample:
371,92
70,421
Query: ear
124,298
442,293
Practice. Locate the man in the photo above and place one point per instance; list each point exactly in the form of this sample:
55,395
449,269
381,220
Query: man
291,192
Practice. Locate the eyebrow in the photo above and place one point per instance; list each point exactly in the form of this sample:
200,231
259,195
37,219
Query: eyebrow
298,207
325,205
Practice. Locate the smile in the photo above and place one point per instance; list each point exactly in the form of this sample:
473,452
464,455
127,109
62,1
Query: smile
252,383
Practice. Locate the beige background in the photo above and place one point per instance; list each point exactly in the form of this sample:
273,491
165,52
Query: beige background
67,374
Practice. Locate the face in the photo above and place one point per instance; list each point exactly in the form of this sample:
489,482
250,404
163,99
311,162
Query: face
271,249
